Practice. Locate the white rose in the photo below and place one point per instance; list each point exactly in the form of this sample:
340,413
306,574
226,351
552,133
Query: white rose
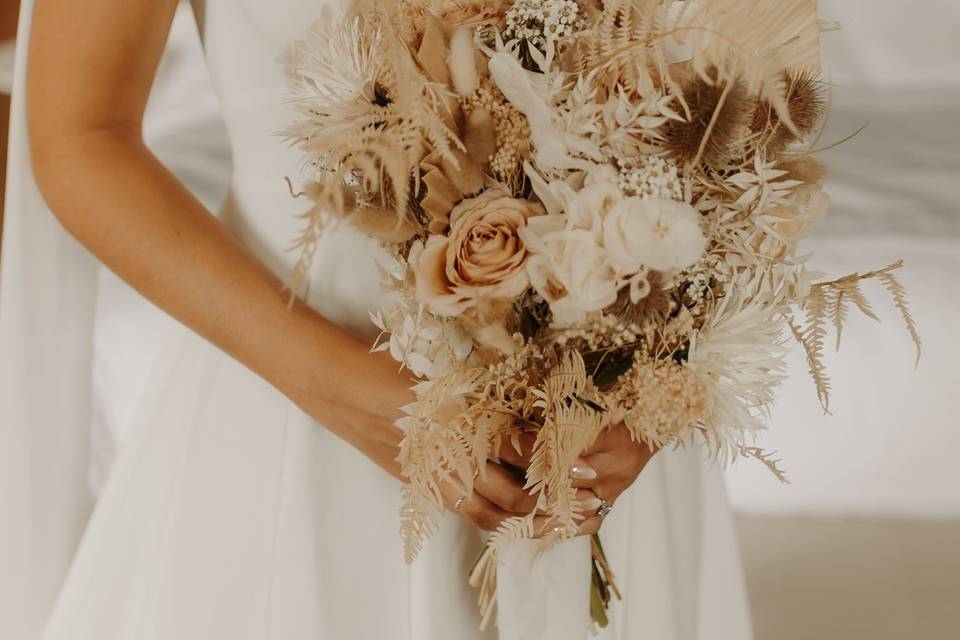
589,207
569,268
654,233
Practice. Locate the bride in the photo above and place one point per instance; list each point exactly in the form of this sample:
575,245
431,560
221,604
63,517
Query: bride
256,497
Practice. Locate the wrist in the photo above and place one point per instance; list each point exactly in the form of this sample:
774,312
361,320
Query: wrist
334,377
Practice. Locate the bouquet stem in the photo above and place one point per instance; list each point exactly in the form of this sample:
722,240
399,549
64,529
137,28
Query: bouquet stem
603,583
603,586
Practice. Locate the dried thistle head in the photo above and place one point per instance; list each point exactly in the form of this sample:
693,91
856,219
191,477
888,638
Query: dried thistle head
806,102
719,111
654,307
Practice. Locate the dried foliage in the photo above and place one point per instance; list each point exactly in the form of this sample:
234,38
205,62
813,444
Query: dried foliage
806,103
714,131
766,457
590,214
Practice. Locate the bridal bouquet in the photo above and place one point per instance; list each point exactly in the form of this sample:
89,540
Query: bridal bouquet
591,210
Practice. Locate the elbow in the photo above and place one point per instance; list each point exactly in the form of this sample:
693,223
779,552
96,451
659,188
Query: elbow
62,153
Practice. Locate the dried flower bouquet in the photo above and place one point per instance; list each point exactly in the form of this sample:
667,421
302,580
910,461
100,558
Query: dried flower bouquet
591,210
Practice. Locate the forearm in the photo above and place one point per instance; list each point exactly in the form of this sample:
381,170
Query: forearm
119,201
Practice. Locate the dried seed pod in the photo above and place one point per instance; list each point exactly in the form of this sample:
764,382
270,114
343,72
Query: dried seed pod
806,103
726,106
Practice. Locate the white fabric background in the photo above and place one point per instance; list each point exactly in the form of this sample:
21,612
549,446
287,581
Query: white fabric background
890,448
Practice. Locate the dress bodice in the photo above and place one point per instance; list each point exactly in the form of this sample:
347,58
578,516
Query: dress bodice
244,42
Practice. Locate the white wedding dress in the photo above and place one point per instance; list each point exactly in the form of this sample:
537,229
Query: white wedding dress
230,514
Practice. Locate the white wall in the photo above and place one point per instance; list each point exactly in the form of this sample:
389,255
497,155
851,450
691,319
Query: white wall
887,43
893,444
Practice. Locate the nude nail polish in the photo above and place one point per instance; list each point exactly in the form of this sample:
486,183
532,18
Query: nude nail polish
591,504
583,472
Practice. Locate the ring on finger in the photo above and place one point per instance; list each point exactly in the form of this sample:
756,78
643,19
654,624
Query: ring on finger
605,507
459,502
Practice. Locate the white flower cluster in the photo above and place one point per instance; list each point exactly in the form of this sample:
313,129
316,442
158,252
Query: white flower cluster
537,21
651,176
425,343
604,241
703,278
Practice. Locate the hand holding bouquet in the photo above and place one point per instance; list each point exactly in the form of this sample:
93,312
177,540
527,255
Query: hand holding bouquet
591,211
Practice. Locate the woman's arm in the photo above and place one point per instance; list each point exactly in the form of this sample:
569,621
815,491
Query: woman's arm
90,71
91,67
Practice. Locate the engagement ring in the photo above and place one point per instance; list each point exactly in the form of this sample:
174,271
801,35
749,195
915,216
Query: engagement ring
604,508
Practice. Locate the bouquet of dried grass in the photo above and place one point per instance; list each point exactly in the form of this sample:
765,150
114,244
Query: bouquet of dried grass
592,210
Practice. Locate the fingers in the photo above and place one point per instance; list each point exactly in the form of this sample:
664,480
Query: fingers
589,502
485,515
504,490
621,464
517,451
488,516
590,526
583,474
482,513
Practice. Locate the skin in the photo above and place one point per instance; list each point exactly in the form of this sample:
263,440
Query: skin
90,71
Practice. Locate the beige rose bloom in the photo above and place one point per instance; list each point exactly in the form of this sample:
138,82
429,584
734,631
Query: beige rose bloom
483,258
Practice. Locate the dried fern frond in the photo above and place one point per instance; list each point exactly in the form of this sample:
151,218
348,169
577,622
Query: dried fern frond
437,448
849,285
570,425
837,310
767,458
613,50
512,530
811,338
899,294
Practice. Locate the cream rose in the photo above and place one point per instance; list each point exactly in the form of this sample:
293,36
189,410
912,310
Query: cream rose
654,233
482,258
569,268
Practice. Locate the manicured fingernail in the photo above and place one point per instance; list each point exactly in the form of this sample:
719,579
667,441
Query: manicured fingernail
583,472
591,504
